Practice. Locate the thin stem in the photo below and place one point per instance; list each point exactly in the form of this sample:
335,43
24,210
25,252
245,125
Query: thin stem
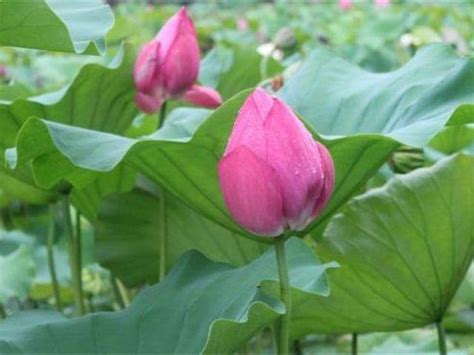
163,230
78,246
162,116
3,314
441,339
73,256
51,263
273,333
162,236
284,323
116,290
354,344
297,349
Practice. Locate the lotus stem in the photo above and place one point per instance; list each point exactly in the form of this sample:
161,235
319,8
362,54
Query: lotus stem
284,322
74,257
354,344
162,236
51,263
163,229
162,115
297,348
78,246
441,339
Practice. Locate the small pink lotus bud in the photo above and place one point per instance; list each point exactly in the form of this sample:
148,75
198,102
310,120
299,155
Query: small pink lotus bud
382,3
170,62
3,70
168,66
345,4
273,175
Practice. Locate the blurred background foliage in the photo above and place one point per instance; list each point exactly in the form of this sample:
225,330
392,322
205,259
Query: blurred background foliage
283,32
377,39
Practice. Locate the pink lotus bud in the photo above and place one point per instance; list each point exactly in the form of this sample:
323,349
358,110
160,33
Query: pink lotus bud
274,175
168,66
345,4
203,96
382,3
146,70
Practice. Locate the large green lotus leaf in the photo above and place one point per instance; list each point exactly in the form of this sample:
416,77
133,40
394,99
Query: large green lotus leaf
409,105
21,185
127,237
403,249
454,139
187,165
201,306
100,98
64,26
87,199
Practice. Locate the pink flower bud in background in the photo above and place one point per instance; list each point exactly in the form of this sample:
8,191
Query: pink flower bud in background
274,175
3,70
382,3
242,24
345,4
168,66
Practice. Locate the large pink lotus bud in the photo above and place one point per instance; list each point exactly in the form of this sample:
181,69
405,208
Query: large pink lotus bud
168,66
274,175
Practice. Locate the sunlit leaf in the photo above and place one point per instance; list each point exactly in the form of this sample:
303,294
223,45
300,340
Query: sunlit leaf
403,249
64,26
99,98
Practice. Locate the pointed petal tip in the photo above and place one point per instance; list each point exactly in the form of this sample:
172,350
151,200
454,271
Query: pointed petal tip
261,94
184,15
